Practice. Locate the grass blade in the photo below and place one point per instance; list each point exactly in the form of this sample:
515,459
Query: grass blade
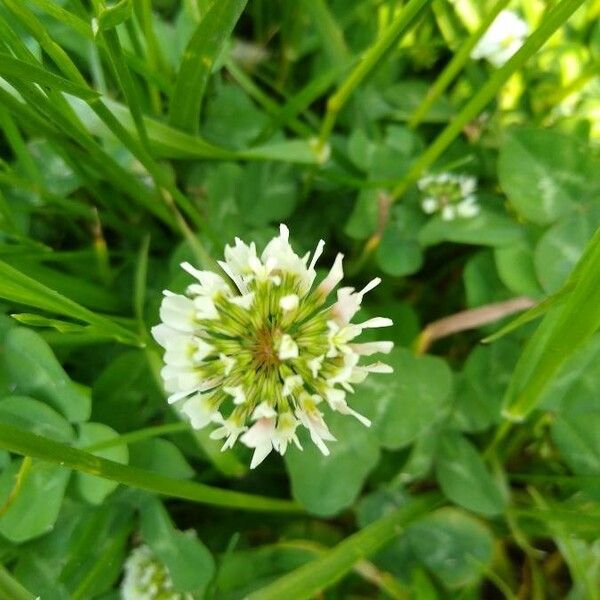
199,57
28,444
18,287
367,63
308,580
565,329
454,67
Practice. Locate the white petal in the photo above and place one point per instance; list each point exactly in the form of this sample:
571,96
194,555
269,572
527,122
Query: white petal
263,411
178,312
376,322
289,302
287,348
315,364
429,205
335,275
369,348
245,301
163,334
237,392
448,213
199,410
317,253
290,384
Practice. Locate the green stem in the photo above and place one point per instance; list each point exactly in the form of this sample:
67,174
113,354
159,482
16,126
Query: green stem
309,579
10,588
367,63
138,436
482,98
28,444
455,66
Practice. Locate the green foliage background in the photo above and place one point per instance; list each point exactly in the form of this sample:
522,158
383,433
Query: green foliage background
138,134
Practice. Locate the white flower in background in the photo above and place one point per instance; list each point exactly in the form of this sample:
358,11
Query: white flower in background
148,579
450,195
502,40
262,355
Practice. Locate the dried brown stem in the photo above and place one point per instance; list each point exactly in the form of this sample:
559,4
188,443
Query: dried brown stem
470,319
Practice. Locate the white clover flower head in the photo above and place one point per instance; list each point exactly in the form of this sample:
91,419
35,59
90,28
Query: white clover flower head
258,356
449,195
146,578
502,40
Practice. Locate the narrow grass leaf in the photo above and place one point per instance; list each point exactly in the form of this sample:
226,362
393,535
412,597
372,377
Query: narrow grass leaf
199,57
565,329
13,67
24,443
310,579
18,287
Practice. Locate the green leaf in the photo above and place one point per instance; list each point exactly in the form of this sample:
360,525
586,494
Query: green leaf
325,485
486,229
160,456
190,564
267,193
576,435
35,509
95,489
482,384
35,416
362,221
35,371
546,174
453,545
404,404
562,245
462,475
516,269
399,252
198,60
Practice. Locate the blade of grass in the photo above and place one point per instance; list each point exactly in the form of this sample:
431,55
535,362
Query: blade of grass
332,38
200,54
18,287
271,106
315,576
454,67
368,62
28,444
299,102
10,588
13,67
565,329
167,142
115,52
